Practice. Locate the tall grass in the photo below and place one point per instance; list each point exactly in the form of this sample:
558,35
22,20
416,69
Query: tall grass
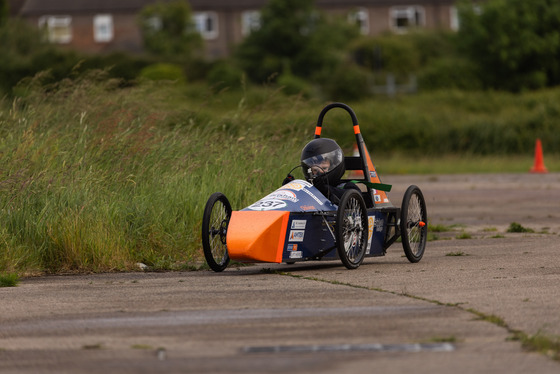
94,177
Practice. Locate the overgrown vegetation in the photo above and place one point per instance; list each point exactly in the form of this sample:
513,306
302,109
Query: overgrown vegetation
516,227
9,280
98,177
464,235
104,168
456,254
541,343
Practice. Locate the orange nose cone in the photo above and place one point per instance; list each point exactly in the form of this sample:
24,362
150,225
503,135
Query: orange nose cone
257,236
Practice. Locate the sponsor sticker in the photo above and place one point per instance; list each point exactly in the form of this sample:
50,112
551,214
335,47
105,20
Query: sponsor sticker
283,195
371,225
313,196
377,198
268,205
292,247
307,207
296,185
298,224
296,235
296,254
373,174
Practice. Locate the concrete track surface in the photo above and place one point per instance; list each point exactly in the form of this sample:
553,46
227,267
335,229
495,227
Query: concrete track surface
455,311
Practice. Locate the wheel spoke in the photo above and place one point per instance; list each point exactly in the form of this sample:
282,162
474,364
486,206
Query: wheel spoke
217,232
217,213
414,226
351,237
352,230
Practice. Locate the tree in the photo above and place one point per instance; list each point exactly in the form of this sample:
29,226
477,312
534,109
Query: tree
293,38
21,43
168,29
4,11
516,43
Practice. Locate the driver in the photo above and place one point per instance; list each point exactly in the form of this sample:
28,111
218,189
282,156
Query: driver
322,161
319,165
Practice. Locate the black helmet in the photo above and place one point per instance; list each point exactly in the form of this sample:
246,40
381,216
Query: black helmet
322,161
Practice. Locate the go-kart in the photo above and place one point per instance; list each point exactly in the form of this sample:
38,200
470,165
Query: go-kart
297,222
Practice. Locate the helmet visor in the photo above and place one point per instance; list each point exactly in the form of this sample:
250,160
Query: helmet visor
323,163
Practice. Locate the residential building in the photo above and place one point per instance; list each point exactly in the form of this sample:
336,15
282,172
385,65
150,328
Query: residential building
14,6
109,25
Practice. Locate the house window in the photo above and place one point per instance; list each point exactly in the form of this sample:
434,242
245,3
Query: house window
206,24
404,18
103,28
360,17
250,21
58,28
453,18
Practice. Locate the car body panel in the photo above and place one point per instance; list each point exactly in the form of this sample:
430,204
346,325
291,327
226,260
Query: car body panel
296,222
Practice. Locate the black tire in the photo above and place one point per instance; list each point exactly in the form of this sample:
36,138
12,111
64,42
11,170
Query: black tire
214,229
351,232
414,224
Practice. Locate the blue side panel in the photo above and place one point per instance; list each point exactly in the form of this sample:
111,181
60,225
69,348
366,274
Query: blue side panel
308,236
377,222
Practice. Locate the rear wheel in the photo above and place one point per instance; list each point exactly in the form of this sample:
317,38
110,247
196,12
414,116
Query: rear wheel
414,224
351,229
214,229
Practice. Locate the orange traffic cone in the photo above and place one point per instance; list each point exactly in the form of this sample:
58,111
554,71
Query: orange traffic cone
539,167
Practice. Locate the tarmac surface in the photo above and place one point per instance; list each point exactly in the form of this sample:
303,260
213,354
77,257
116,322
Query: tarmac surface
460,309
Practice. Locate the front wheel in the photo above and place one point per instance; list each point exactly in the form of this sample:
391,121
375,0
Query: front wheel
351,229
214,229
414,224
